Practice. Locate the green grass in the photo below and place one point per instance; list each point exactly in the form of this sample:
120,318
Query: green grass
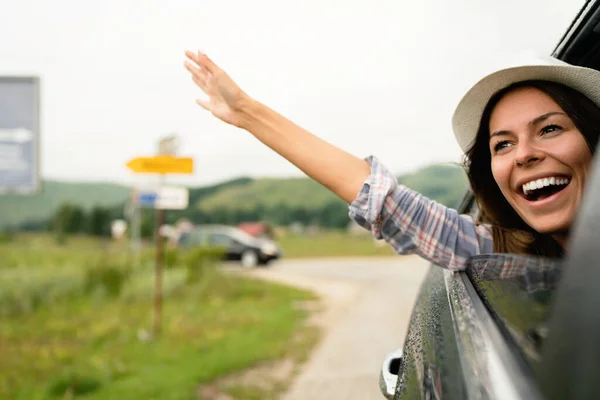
88,344
331,244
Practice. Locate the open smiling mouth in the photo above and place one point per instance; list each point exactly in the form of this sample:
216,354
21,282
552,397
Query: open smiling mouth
540,189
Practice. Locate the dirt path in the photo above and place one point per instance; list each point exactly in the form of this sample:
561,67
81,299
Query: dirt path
368,302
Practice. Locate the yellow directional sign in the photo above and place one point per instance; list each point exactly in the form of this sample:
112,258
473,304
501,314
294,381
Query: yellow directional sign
162,165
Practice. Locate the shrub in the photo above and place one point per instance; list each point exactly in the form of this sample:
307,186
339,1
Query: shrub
6,236
108,276
196,261
73,384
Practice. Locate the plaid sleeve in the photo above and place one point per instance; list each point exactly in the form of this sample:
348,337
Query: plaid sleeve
414,224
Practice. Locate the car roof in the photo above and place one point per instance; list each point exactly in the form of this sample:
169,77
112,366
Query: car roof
229,230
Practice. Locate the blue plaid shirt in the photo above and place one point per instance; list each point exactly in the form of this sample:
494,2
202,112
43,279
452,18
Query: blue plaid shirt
414,224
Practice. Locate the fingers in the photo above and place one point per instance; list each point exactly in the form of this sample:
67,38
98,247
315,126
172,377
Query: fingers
191,55
203,61
207,63
196,72
202,84
202,69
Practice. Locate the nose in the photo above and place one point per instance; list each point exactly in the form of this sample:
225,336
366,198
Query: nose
527,153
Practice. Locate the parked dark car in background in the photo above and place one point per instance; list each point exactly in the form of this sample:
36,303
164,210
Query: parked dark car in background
239,245
511,326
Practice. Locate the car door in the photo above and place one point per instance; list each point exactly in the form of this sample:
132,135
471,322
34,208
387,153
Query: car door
224,241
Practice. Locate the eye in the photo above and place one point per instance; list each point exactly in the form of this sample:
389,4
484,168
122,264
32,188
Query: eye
550,129
501,145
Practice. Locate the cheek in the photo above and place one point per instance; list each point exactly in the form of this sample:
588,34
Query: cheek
501,174
572,150
578,156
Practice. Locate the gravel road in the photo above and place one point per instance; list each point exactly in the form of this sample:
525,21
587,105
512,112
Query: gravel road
368,305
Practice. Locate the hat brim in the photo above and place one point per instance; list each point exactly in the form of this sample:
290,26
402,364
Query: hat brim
468,113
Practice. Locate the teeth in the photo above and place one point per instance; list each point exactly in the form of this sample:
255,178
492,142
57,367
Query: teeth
540,183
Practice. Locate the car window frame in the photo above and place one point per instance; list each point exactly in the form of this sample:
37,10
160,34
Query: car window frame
566,48
491,363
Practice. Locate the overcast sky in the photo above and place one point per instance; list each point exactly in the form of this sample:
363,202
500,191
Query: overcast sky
380,77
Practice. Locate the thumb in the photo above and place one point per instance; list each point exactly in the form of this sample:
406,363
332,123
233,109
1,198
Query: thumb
204,104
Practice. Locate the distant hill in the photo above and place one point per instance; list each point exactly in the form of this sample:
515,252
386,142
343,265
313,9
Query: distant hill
201,193
443,183
268,193
18,209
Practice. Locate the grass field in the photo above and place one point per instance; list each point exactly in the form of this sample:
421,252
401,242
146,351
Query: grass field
76,323
331,244
77,318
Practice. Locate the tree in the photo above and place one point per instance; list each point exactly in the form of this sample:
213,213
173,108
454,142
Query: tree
279,214
76,221
301,215
99,221
333,215
68,218
148,222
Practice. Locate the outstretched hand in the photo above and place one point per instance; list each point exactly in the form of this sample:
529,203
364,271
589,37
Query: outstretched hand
225,98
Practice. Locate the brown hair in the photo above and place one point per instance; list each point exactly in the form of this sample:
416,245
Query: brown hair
510,233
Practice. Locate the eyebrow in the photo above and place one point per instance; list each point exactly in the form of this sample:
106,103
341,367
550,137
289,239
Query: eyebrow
533,122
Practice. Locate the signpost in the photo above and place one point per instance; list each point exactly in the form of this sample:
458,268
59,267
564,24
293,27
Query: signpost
169,145
162,165
162,198
19,135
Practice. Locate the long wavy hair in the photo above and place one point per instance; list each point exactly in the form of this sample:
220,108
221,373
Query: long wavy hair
510,233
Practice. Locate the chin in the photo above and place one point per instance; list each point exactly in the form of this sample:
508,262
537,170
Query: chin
551,227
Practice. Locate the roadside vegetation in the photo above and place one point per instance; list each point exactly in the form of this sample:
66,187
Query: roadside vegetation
332,244
77,323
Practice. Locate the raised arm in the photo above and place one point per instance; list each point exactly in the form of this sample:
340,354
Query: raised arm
339,171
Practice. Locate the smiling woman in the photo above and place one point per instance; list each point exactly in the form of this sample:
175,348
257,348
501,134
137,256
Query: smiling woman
528,132
539,138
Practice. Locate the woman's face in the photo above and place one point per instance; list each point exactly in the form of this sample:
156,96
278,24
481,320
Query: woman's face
539,159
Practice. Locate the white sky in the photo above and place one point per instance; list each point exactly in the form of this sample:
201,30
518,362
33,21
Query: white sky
379,77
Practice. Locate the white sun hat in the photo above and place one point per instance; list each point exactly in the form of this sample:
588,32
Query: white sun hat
467,115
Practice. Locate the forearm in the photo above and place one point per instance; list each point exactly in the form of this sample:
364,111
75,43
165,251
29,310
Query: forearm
339,171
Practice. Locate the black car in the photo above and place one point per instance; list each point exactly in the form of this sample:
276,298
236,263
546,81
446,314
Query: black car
510,326
239,245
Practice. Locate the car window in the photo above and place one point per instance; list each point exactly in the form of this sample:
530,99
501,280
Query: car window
517,291
220,239
193,238
468,206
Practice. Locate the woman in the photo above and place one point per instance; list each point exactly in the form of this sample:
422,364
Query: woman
528,132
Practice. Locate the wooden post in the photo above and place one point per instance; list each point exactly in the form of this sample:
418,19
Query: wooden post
158,273
158,270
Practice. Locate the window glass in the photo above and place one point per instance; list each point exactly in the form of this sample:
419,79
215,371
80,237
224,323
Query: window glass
196,238
517,291
219,239
468,205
